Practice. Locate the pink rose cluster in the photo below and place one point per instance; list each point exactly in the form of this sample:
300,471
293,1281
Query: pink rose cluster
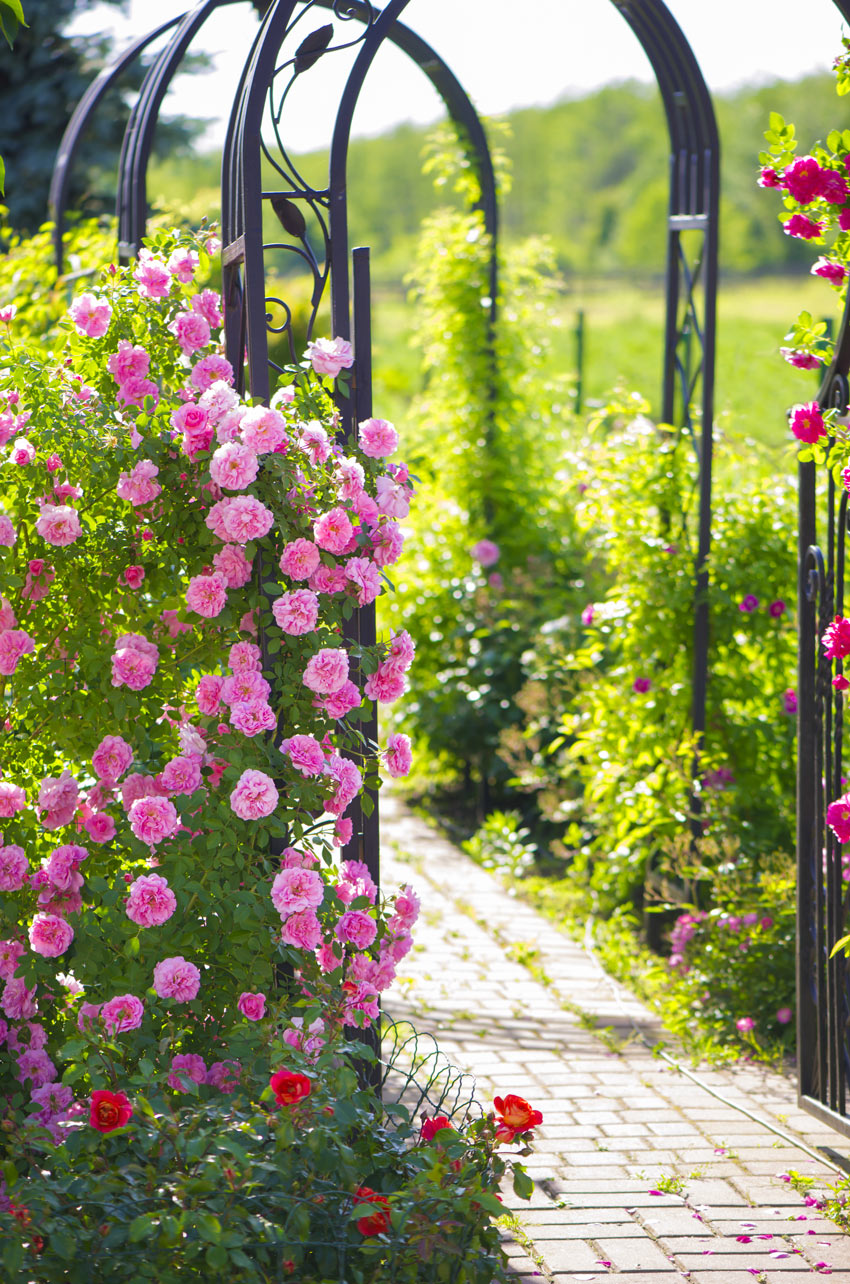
134,661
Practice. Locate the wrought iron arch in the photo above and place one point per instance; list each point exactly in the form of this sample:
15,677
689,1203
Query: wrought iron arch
823,897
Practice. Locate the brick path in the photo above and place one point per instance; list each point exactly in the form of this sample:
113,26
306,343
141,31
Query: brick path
525,1009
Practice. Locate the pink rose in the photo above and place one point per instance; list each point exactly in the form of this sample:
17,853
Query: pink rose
100,827
254,796
22,453
830,271
182,775
152,276
296,613
252,1006
232,563
305,753
190,1066
329,356
10,954
208,693
207,595
244,655
333,530
90,315
191,331
208,305
377,438
349,783
8,534
245,518
357,929
14,643
252,717
398,756
153,819
263,430
387,543
183,264
129,362
209,370
234,466
111,758
296,889
386,684
366,578
485,552
326,671
50,935
124,1012
14,868
12,799
803,228
133,668
57,798
302,930
138,487
151,901
175,978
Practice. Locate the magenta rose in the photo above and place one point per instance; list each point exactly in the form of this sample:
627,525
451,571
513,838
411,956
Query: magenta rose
252,1006
176,978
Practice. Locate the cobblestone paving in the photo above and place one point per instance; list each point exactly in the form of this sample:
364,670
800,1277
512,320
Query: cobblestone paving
526,1009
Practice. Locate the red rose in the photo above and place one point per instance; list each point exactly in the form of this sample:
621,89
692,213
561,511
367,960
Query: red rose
430,1127
289,1088
109,1110
378,1220
515,1117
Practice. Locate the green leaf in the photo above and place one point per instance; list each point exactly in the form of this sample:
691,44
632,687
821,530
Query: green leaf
523,1185
840,945
140,1228
2,177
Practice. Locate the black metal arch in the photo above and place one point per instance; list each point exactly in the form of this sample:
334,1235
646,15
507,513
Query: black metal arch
823,896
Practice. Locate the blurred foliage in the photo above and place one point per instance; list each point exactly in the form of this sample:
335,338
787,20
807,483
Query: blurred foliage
41,82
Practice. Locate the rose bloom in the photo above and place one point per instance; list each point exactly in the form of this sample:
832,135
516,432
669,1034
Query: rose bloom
252,1006
245,684
329,356
744,1024
515,1117
57,799
181,775
252,717
138,487
109,1110
263,430
485,552
838,818
784,1015
208,693
326,671
297,889
255,796
305,753
153,819
377,438
8,534
303,930
209,370
398,756
830,271
134,576
124,1012
333,530
90,315
17,1001
183,263
234,466
207,595
58,524
100,827
14,643
14,868
244,655
151,901
806,229
296,613
835,641
50,935
349,782
299,559
208,305
191,1066
129,362
111,758
341,702
378,1219
356,928
386,684
289,1087
175,978
245,518
12,799
365,576
801,360
152,276
133,668
224,1075
232,563
431,1128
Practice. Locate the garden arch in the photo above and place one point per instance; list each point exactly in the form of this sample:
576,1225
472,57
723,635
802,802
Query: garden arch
283,51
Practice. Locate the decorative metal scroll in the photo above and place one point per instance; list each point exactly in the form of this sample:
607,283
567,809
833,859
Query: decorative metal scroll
823,895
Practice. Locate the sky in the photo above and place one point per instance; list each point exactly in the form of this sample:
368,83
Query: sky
507,54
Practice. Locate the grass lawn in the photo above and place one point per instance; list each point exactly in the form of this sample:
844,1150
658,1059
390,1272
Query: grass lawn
623,344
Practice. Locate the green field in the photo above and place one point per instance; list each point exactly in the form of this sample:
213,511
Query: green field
623,345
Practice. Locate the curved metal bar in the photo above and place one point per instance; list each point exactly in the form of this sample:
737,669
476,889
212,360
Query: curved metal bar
138,137
77,125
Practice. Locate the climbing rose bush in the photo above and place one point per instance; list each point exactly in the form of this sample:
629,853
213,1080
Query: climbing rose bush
181,748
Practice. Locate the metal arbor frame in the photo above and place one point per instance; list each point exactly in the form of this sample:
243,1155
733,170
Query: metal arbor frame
259,175
823,896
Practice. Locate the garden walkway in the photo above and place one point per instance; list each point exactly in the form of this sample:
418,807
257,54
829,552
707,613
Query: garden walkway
526,1009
